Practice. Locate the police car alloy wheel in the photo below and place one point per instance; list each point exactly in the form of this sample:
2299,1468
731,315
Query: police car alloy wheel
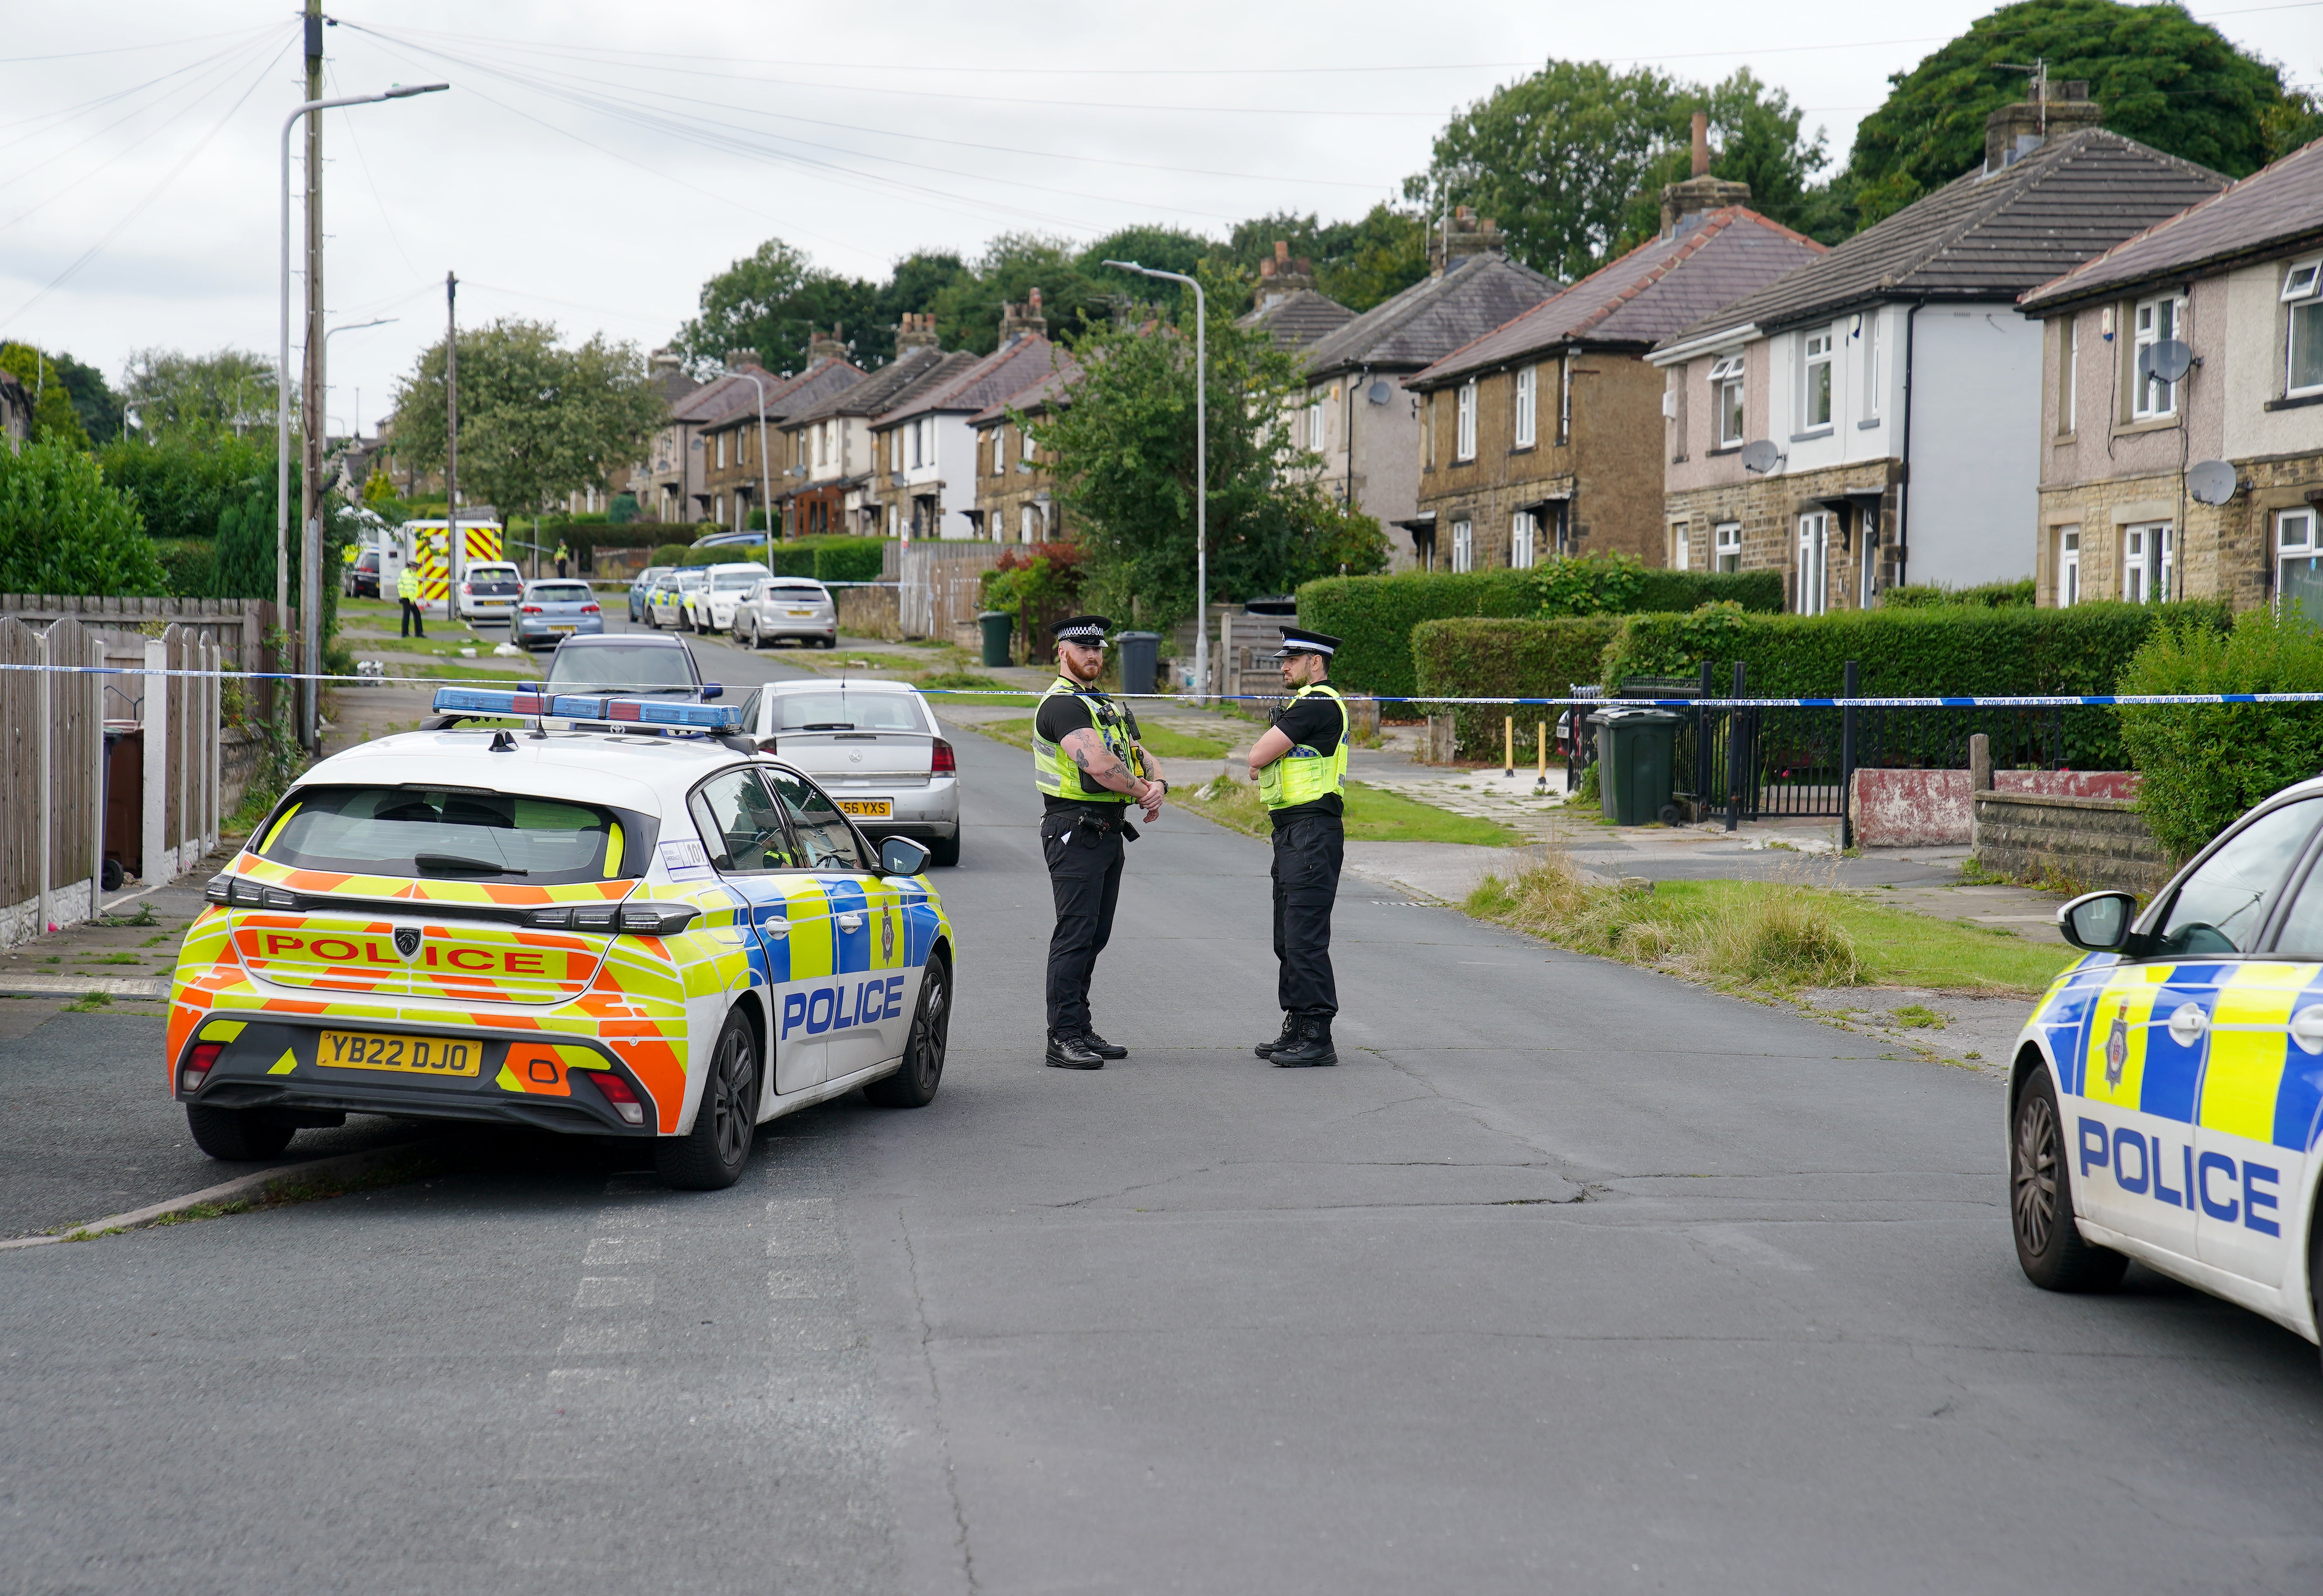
2049,1244
914,1086
712,1155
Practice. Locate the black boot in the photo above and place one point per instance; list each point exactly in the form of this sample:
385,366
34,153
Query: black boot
1267,1050
1097,1044
1069,1049
1313,1046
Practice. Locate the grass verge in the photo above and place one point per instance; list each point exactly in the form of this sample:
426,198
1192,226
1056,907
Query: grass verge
1374,815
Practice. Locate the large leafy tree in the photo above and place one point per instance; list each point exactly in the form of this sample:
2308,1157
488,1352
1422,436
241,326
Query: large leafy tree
538,421
175,394
55,420
1359,263
776,301
65,530
1754,139
2160,77
183,482
1126,460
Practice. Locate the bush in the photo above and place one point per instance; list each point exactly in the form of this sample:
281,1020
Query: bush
2206,764
668,553
1918,653
1045,578
848,559
1506,659
189,566
622,512
1992,595
65,530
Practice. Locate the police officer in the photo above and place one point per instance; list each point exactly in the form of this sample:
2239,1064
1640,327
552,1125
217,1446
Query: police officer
407,590
1089,769
1300,766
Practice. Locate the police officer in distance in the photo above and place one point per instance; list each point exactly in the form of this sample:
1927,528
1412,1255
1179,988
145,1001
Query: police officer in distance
1089,769
407,593
1300,766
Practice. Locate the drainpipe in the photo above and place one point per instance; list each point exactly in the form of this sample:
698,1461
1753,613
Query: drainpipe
1904,488
1348,436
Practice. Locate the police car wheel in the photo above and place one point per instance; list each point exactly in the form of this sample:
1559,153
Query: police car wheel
235,1133
914,1086
2049,1244
709,1156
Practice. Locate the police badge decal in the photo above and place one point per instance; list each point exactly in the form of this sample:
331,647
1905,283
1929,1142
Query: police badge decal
2116,1047
886,936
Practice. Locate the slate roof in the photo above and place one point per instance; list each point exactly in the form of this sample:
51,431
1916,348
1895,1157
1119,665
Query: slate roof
889,386
2277,210
1298,318
1432,318
1008,370
1048,392
1986,238
725,399
1647,295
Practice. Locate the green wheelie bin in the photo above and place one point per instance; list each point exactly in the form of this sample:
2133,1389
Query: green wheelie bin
1637,750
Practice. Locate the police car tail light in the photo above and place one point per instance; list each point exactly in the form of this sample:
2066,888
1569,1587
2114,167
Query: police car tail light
198,1066
945,763
621,1094
656,919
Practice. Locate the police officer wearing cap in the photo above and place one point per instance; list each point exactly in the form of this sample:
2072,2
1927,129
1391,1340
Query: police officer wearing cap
1300,766
1090,770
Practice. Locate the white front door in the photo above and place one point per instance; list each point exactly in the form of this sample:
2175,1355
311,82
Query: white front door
1814,562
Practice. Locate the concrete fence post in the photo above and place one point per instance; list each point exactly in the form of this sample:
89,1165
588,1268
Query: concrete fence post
1979,780
156,757
45,785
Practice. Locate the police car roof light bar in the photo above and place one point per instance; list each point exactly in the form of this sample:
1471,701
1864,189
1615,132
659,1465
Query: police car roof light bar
685,717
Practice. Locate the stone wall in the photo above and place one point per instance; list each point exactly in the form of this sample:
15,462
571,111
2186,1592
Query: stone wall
2088,842
1768,508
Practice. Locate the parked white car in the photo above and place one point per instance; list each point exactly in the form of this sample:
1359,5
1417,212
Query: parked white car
710,607
874,746
489,590
782,607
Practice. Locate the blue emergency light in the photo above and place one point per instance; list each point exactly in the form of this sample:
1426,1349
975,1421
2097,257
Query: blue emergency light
569,706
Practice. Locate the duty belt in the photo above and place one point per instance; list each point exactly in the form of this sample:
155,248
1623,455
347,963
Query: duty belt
1103,820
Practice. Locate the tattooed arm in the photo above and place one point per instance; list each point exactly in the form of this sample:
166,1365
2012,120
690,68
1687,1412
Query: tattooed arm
1102,765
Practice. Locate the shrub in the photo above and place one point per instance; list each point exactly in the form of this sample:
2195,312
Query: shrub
668,553
65,530
848,559
1506,659
622,512
189,566
1042,577
1992,595
2206,764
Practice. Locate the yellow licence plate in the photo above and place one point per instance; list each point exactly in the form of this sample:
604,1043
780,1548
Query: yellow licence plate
410,1055
877,809
801,612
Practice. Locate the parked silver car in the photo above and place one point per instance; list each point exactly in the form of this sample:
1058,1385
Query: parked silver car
549,611
874,746
786,607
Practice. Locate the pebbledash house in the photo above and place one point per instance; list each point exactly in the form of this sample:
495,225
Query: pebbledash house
2181,418
1871,418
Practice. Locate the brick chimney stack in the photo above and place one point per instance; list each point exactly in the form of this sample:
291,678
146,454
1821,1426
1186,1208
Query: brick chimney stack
2048,110
1279,276
1701,192
1018,320
1461,235
833,347
916,331
743,360
1701,144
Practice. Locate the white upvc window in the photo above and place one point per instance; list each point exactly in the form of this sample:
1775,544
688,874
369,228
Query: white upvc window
1464,546
1726,389
2303,294
1814,562
1727,545
1528,415
1316,422
721,450
2154,322
1523,532
1868,330
1465,443
1679,557
1815,395
2146,555
2068,565
2299,569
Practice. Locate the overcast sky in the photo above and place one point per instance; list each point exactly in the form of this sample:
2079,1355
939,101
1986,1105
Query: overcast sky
594,162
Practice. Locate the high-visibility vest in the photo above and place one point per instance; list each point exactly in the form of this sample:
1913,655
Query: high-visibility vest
1053,770
1302,775
406,586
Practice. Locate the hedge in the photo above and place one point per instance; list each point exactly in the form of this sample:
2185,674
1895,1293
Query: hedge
189,566
836,557
1373,616
1506,659
1992,595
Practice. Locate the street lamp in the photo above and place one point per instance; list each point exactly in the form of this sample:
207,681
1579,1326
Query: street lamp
765,477
1201,471
310,626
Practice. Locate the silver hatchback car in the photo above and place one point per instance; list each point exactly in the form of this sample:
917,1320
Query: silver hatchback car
786,607
874,746
549,611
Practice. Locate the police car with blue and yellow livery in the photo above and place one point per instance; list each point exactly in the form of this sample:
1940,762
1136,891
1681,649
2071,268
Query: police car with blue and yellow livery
2168,1095
654,931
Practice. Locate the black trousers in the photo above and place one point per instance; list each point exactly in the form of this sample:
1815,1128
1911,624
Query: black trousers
1307,855
415,621
1085,875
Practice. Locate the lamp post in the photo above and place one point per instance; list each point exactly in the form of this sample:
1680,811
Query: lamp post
1201,471
765,471
310,618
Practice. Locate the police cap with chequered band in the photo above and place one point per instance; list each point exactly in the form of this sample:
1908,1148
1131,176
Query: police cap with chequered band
1296,640
1087,631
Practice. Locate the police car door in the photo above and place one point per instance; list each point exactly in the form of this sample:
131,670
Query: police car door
873,981
743,827
2154,1026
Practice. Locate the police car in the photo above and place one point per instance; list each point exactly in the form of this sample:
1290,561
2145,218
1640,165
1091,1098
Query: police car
653,932
2167,1094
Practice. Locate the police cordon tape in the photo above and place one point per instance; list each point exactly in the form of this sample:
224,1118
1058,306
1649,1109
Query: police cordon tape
2037,701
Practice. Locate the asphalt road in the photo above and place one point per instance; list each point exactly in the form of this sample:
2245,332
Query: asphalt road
1569,1278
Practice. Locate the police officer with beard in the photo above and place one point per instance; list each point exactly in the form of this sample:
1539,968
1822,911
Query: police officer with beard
1090,770
1300,766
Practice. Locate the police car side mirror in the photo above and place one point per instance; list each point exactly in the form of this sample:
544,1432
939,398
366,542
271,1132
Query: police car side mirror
900,856
711,690
2098,921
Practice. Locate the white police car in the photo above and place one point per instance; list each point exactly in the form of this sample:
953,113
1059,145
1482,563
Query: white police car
666,936
2167,1095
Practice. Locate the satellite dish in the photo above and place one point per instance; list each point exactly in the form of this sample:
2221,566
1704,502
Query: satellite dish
1761,456
2169,360
1379,393
2211,481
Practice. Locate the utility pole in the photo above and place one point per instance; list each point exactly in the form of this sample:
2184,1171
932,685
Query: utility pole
313,419
452,444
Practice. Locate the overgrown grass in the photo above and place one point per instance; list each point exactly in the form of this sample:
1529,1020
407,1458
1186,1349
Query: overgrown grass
1160,739
1763,935
1374,815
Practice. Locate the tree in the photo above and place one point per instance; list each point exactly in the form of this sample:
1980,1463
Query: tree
54,418
183,481
776,301
968,310
65,530
2161,77
1126,461
1360,264
176,394
1754,139
537,421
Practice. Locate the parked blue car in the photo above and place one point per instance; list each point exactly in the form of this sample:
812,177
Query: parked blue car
550,611
638,585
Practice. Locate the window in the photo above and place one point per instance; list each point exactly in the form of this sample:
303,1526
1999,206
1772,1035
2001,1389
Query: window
2299,564
1679,559
1814,407
1466,445
1726,385
1024,445
892,516
825,840
721,449
1727,545
1868,329
2069,356
1527,405
2302,291
1028,524
2145,563
2217,911
2068,565
1521,533
740,824
1464,546
2155,322
1315,422
1814,557
447,834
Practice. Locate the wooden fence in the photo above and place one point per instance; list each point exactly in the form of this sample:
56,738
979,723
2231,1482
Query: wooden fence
937,582
244,629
